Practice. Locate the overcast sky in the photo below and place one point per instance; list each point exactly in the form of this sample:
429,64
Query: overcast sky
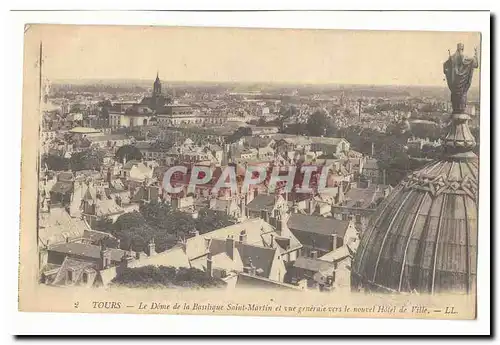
246,55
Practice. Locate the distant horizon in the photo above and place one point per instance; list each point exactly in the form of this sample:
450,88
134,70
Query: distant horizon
213,82
247,55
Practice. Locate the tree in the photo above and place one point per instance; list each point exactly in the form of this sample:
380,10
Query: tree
296,128
129,152
165,276
165,225
55,162
318,124
157,214
135,233
210,220
104,224
104,113
90,159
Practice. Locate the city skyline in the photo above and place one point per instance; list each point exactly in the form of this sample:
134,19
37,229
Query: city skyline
313,58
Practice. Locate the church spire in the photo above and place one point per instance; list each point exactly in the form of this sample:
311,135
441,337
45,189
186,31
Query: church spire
157,86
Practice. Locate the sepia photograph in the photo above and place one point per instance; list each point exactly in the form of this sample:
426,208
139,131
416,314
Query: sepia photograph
250,171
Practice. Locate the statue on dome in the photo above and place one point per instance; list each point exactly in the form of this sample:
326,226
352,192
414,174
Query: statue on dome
459,70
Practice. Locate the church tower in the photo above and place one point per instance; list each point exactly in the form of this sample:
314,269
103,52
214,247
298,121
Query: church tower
157,86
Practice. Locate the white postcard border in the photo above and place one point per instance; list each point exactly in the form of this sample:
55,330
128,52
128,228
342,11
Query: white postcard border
46,323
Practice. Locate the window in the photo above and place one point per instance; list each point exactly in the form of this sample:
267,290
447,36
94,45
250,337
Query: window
69,275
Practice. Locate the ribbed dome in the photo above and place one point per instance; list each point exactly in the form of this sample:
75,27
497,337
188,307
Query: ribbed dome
423,237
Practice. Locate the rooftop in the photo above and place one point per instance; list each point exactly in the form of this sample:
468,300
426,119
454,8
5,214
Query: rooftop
84,130
85,250
317,225
310,264
262,202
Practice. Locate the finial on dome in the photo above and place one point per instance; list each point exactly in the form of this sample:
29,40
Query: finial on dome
459,70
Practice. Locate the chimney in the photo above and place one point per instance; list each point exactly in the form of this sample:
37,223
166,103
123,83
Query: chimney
279,225
311,207
334,242
230,247
105,258
373,149
126,259
264,215
243,207
243,236
209,265
314,254
249,268
151,247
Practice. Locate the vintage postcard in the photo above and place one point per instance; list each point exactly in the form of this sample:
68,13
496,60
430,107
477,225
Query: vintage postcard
245,171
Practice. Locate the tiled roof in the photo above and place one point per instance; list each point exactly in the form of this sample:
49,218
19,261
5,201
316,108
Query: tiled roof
85,250
83,130
220,261
246,280
76,266
222,205
337,254
364,196
254,228
261,257
90,193
57,225
107,207
315,265
317,225
108,137
262,202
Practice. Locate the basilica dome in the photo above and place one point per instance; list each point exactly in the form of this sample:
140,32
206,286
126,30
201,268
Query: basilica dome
424,238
